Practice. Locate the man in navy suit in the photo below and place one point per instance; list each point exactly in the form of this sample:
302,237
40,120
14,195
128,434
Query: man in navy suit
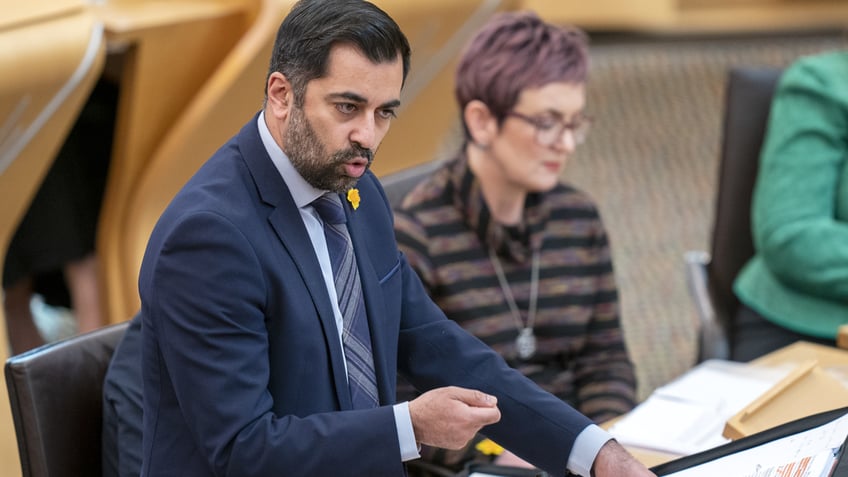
244,366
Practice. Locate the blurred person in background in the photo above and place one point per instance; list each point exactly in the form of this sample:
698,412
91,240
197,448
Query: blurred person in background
508,251
796,285
51,281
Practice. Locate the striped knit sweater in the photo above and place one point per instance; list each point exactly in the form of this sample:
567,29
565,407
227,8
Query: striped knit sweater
445,230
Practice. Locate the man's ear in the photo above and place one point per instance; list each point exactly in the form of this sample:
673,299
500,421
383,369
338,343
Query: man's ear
280,95
481,123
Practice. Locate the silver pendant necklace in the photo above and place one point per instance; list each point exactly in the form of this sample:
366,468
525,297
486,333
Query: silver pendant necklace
525,343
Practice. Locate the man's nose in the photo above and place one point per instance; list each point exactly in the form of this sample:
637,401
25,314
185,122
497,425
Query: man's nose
365,133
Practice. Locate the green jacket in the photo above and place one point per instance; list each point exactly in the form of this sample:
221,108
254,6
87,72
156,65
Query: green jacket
798,277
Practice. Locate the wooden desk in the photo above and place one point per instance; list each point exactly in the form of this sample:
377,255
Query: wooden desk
652,458
802,351
168,48
796,354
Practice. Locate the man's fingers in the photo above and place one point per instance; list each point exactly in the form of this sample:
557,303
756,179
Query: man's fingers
482,407
475,398
485,415
449,417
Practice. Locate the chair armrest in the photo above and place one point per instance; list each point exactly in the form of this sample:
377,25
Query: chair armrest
712,337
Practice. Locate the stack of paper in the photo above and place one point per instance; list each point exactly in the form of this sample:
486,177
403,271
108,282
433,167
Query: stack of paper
688,415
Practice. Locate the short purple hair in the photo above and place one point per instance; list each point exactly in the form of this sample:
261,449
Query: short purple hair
515,51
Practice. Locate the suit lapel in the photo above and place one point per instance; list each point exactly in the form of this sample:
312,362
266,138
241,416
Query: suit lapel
288,225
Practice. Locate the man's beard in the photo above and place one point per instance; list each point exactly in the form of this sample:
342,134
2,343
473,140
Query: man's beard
310,158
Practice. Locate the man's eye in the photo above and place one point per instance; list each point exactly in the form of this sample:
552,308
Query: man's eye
544,125
346,108
387,113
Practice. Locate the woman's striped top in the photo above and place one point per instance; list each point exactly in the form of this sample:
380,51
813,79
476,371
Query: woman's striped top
445,230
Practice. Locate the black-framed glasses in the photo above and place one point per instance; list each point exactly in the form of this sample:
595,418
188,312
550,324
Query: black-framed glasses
550,131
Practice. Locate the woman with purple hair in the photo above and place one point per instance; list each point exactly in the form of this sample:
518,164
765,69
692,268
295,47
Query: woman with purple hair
506,249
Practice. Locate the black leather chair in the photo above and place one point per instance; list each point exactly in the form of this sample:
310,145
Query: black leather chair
55,393
710,275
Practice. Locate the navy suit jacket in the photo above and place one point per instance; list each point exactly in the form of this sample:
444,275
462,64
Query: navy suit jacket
243,370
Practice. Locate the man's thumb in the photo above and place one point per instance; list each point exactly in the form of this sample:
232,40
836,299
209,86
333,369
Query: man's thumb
479,399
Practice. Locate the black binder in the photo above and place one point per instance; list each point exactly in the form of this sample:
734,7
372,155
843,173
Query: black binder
501,471
788,429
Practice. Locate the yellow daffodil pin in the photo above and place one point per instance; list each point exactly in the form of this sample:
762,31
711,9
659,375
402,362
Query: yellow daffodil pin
353,197
489,447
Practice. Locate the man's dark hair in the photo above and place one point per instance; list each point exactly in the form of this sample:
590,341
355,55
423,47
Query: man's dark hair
313,27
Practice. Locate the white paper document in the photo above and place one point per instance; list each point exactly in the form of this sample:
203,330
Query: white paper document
688,415
810,453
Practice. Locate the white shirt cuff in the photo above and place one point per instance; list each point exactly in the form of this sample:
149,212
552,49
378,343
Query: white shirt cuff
586,448
406,436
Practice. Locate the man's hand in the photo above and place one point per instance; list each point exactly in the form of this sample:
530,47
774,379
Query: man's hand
450,417
614,461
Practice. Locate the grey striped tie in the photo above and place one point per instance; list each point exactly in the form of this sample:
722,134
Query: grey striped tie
355,336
